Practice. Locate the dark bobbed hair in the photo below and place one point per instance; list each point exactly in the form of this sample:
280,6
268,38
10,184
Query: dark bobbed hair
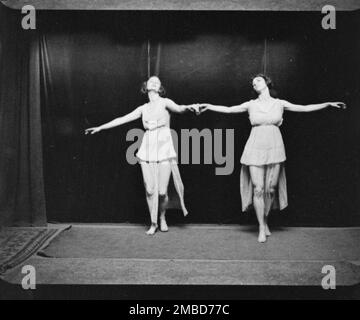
268,82
267,79
144,90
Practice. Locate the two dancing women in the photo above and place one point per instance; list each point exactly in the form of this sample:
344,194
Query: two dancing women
262,178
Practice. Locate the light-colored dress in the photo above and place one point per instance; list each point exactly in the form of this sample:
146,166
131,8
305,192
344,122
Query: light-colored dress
264,147
157,146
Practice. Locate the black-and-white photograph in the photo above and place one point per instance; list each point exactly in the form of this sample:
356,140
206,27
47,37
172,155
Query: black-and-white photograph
178,150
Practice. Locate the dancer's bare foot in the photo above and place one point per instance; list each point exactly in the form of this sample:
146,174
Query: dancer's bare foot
152,229
262,235
267,231
163,225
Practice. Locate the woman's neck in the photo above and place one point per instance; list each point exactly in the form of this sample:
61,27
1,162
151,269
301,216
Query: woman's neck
153,96
264,95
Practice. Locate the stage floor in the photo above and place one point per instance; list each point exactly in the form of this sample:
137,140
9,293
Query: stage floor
89,254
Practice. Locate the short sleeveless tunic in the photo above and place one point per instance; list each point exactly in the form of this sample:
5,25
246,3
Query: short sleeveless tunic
265,144
157,144
264,147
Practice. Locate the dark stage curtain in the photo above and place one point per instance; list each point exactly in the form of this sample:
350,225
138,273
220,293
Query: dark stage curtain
94,63
90,78
22,198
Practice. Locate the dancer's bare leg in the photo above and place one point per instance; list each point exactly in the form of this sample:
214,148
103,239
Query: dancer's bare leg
149,171
271,182
164,177
257,178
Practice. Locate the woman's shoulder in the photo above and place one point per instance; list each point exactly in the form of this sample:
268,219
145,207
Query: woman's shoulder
280,100
142,107
251,103
166,100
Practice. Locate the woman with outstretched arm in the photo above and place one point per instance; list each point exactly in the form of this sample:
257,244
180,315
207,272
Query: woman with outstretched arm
156,154
262,178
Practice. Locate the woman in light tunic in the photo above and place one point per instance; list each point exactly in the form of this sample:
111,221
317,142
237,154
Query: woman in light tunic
156,154
262,177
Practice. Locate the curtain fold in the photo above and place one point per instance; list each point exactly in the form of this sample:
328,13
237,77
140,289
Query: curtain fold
22,197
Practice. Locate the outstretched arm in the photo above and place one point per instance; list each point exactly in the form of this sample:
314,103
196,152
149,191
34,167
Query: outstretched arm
172,106
222,109
136,114
311,107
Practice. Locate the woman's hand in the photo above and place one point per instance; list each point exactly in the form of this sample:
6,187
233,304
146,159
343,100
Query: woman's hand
194,108
198,108
339,105
92,130
203,107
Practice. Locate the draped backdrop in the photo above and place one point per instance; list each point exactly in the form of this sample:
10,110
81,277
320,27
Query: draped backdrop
22,198
81,69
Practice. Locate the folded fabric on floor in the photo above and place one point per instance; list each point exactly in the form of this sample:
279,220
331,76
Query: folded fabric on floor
18,244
